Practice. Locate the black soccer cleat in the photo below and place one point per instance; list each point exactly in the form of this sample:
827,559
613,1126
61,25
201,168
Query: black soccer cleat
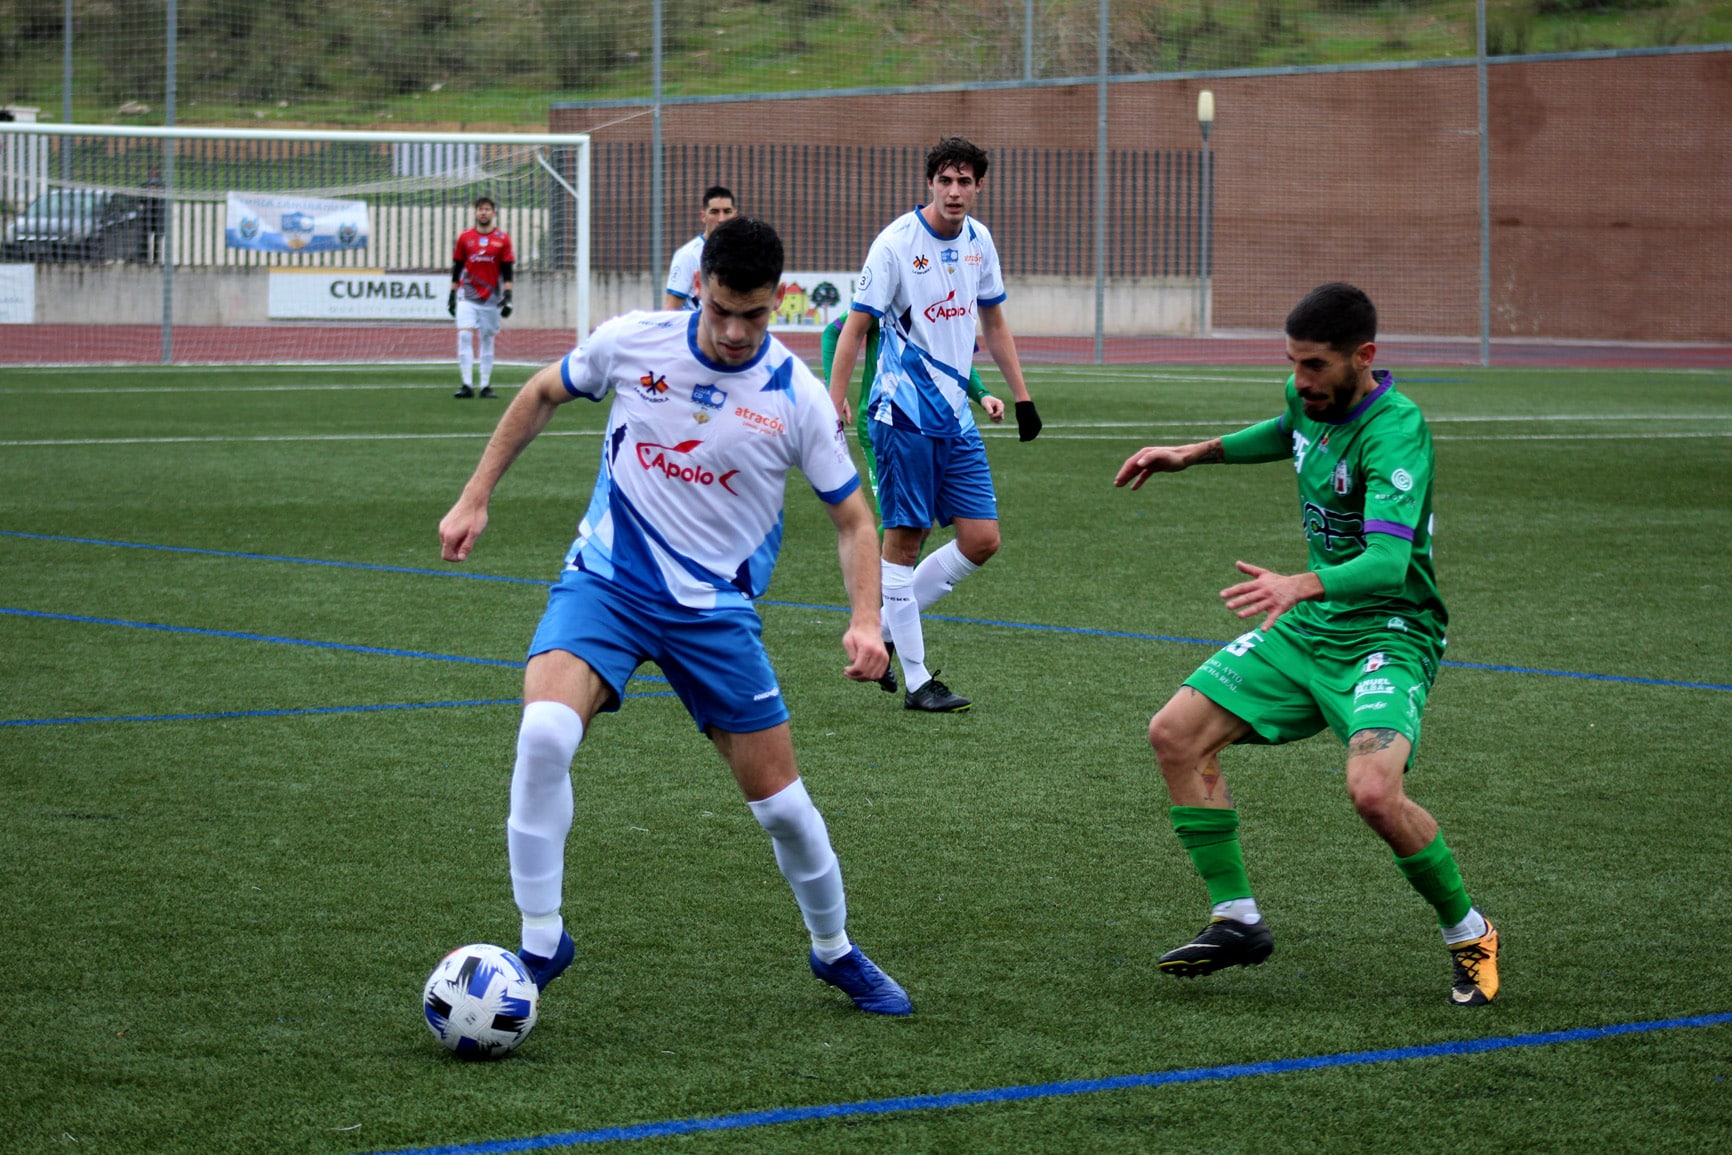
887,682
487,391
935,698
1223,943
464,391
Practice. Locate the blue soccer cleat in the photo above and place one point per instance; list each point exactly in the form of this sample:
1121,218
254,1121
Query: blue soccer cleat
871,989
545,970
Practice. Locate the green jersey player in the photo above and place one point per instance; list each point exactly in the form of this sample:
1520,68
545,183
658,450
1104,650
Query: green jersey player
1352,644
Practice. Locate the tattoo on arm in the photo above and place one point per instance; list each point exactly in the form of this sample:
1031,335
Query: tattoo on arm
1212,454
1371,742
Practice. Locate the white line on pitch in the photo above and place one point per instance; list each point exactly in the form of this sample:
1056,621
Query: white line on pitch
481,434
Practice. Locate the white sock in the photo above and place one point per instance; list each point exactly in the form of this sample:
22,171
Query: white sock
939,573
902,620
1239,910
1466,930
802,845
541,808
486,358
465,356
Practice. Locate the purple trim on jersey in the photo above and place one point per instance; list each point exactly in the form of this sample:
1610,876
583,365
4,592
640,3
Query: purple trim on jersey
857,307
1392,528
839,495
1385,380
698,354
987,303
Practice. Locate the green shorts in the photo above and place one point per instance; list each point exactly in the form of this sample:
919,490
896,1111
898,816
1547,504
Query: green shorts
1289,684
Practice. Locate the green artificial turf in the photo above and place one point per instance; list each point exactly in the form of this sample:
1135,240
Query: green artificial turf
219,927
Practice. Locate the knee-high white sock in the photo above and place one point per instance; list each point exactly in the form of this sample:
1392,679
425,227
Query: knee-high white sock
540,818
803,853
465,356
939,573
902,620
486,358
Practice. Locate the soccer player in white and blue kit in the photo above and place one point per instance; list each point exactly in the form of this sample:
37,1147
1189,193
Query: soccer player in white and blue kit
681,289
709,414
929,277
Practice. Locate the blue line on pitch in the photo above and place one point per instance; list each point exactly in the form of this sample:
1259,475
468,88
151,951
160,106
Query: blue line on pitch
98,718
280,641
1079,630
750,1119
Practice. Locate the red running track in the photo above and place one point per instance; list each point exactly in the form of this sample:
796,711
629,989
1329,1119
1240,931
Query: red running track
323,343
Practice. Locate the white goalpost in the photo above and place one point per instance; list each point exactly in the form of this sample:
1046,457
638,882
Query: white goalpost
142,245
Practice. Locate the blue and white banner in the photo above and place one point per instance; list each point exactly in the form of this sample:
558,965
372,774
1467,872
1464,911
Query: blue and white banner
294,224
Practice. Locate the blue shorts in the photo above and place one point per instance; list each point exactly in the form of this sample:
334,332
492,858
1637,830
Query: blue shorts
924,479
713,659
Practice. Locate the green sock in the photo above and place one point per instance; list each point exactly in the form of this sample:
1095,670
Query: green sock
1211,837
1434,874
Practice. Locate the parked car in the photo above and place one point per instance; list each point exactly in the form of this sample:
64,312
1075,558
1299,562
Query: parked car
77,225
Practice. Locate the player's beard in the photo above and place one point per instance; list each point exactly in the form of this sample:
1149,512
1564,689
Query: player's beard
1340,401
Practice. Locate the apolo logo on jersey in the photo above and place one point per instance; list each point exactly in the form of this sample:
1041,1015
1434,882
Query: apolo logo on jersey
654,386
672,462
945,310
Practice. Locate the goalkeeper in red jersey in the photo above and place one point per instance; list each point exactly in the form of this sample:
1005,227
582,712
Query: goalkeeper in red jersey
480,293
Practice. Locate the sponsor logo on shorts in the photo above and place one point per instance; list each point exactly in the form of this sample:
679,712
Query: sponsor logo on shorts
775,693
945,310
673,463
1376,662
1371,687
1398,624
1363,707
758,423
654,387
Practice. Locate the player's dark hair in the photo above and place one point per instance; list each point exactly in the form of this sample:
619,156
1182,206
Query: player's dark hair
484,199
956,151
1337,315
714,191
743,254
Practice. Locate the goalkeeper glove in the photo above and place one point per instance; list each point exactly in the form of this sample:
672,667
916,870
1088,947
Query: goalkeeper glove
505,304
451,303
1027,421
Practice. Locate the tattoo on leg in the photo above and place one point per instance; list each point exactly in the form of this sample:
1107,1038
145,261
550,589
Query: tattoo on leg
1370,742
1211,776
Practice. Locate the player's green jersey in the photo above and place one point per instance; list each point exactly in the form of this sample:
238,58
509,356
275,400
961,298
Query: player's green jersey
1365,476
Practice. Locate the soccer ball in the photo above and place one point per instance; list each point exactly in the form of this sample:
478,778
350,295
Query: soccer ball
480,1001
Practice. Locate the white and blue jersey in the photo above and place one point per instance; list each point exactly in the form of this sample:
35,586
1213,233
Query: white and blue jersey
688,504
927,292
683,271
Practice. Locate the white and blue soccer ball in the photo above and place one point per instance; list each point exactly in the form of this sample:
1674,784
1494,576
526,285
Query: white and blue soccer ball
480,1001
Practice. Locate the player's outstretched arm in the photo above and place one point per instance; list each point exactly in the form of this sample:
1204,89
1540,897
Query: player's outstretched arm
526,416
857,547
1167,459
1269,593
842,364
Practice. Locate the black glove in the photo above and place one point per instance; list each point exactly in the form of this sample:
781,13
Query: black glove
451,303
1027,421
505,304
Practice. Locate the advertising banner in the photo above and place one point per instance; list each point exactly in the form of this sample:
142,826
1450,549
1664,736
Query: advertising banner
17,294
274,223
812,300
357,295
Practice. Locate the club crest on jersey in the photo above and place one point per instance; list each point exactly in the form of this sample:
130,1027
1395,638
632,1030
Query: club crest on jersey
949,257
674,463
709,395
1342,482
921,264
654,386
1375,662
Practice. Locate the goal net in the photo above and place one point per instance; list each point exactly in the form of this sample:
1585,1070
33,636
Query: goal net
142,245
